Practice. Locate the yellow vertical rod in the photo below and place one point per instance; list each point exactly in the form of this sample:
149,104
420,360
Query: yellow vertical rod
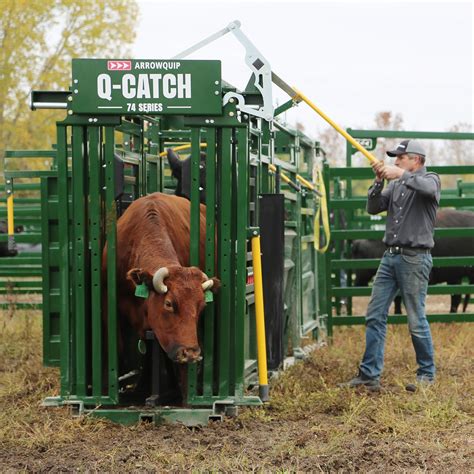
11,226
260,320
10,223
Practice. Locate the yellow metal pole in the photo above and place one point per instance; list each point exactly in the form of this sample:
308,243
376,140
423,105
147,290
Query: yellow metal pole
284,177
11,226
358,146
260,320
10,222
307,184
183,147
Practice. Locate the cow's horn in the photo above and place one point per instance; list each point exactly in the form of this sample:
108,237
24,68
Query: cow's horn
207,285
158,278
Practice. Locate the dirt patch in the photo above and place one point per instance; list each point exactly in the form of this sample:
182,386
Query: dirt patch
309,425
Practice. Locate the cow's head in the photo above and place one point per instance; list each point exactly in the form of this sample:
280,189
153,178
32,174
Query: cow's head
176,298
181,171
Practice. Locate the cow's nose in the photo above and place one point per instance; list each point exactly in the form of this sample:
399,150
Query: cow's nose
188,354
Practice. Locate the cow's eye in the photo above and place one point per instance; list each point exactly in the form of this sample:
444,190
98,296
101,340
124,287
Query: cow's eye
169,305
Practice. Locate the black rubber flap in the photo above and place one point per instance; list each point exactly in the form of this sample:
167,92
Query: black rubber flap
272,246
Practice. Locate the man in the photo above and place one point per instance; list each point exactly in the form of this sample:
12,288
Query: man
410,199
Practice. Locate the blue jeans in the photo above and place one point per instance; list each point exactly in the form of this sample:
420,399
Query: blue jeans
409,275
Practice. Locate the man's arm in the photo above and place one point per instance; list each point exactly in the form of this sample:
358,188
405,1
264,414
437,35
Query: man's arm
428,185
378,197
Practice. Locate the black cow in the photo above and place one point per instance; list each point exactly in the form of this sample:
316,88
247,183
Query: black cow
444,247
454,247
4,252
181,170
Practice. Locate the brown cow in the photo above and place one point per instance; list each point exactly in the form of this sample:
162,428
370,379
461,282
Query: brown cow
153,238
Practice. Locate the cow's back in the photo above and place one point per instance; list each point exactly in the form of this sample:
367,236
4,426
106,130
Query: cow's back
454,246
154,231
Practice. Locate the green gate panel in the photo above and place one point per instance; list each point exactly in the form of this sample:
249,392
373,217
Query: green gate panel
51,272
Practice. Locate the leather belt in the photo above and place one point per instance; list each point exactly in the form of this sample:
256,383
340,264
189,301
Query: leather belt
410,251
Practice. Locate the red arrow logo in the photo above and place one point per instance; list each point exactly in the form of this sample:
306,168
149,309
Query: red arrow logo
119,65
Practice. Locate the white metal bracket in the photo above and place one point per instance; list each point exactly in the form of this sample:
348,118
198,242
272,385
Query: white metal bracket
257,63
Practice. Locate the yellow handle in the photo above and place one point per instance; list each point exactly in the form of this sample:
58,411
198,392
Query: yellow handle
369,156
186,146
10,219
305,182
284,177
260,319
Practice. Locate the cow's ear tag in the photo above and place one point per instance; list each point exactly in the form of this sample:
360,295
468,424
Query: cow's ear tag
142,291
208,296
141,346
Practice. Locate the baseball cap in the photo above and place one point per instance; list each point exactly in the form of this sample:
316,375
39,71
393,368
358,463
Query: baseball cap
407,146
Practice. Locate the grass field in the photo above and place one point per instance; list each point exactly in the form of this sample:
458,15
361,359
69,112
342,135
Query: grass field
310,423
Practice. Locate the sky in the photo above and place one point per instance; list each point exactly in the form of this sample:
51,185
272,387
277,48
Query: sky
352,59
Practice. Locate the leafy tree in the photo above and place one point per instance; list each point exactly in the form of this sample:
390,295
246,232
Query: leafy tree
458,152
386,120
334,145
38,38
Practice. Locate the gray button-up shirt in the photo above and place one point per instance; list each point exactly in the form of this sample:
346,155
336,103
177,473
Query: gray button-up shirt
411,203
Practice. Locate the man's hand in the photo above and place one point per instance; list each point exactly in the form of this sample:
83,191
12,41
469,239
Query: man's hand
392,172
378,167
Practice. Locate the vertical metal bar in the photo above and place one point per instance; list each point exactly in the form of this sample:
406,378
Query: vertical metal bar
209,314
241,258
349,220
111,237
224,246
63,224
194,232
136,169
95,210
300,233
327,261
79,252
298,324
265,179
156,172
160,142
46,271
277,181
232,269
144,164
338,244
195,207
267,147
161,163
152,176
